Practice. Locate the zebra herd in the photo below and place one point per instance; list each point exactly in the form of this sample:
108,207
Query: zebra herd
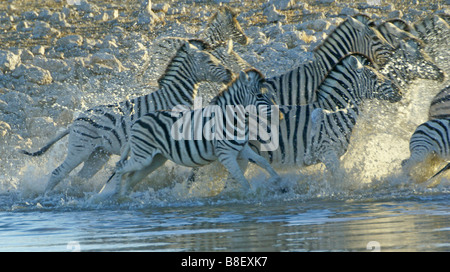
315,106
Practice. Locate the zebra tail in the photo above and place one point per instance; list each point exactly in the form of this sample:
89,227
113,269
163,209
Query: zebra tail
47,146
440,171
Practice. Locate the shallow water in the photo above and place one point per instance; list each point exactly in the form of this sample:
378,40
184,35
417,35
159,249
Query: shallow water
416,223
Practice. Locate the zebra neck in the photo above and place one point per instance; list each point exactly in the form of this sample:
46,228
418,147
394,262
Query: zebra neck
213,36
182,86
323,63
329,98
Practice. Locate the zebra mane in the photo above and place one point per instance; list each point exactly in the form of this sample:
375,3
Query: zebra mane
402,24
222,9
333,33
369,62
198,43
227,87
365,19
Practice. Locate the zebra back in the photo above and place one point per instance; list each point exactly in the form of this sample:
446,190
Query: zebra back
354,36
394,35
432,30
432,136
306,137
298,86
440,105
350,81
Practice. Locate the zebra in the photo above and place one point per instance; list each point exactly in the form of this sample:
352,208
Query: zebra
409,59
434,30
298,86
222,26
410,62
152,141
320,131
440,105
429,146
220,32
103,130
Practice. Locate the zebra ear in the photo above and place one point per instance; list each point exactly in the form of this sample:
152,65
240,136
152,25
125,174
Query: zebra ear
355,64
243,75
316,119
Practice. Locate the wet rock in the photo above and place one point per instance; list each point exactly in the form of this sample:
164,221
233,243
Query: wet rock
39,126
32,74
69,42
274,31
146,15
319,25
395,14
30,15
87,7
273,15
59,18
291,38
38,50
44,14
5,129
43,30
105,63
282,4
58,68
349,11
23,26
26,55
161,7
64,118
8,60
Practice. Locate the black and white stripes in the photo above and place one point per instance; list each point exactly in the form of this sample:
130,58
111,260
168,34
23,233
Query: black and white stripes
155,137
104,130
320,131
298,86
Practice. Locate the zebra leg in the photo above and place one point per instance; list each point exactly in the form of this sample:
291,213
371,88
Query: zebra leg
250,155
331,161
421,165
94,163
72,160
137,175
231,164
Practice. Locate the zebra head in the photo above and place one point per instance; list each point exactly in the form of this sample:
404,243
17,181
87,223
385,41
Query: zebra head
223,51
367,82
202,66
417,62
224,25
377,47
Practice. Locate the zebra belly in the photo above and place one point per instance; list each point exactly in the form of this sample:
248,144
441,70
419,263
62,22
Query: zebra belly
192,153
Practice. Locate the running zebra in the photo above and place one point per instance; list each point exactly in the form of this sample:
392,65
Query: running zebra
104,130
434,30
220,32
298,86
409,60
440,105
429,146
320,132
155,137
